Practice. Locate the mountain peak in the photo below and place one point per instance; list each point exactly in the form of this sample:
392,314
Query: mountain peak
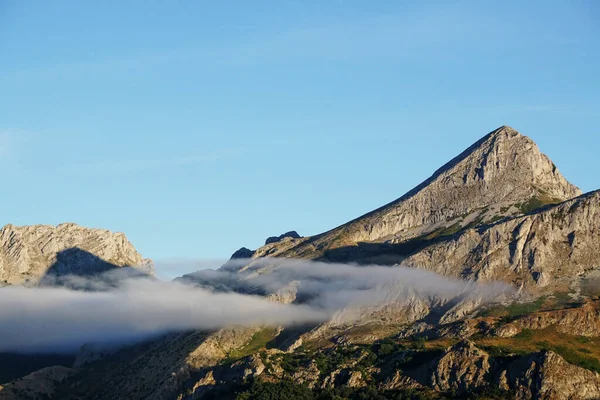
502,174
505,130
503,155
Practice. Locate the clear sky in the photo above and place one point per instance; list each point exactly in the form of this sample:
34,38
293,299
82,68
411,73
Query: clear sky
200,127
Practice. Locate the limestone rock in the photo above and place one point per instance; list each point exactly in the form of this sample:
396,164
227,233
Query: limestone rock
560,241
28,253
579,321
547,376
462,368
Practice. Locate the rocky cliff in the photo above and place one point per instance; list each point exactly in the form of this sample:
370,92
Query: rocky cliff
558,244
28,253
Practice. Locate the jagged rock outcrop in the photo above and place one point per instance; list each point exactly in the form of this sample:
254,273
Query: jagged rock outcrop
543,376
547,376
577,321
556,245
28,253
582,321
461,369
275,239
242,253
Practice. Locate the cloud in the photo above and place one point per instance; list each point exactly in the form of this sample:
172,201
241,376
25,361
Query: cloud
332,286
124,311
61,319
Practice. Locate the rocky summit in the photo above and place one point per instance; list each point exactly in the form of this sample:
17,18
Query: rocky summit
29,253
503,174
510,251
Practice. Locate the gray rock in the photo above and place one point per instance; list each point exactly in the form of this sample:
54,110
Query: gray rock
29,253
275,239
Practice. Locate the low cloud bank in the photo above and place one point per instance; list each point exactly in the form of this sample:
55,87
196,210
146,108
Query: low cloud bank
115,311
331,286
62,319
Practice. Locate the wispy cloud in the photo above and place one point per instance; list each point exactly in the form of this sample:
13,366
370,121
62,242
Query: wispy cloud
59,319
62,319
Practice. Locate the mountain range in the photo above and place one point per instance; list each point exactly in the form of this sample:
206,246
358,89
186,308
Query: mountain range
502,258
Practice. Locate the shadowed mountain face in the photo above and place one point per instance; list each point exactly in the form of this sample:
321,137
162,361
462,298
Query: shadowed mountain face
502,174
29,253
98,274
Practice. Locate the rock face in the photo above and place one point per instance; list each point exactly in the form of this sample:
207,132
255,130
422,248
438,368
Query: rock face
582,321
503,173
544,375
547,376
557,244
504,167
28,253
275,239
461,369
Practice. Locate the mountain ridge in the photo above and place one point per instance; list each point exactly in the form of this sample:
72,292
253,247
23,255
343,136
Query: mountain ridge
499,211
480,177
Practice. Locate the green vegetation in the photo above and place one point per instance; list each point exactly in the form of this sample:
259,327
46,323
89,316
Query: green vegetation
525,334
258,342
290,362
496,218
556,301
514,310
446,231
576,356
536,202
577,350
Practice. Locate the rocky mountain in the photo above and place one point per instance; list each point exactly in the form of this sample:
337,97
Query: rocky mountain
499,212
557,245
503,174
29,253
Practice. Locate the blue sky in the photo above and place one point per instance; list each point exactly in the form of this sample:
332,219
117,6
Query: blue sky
200,127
